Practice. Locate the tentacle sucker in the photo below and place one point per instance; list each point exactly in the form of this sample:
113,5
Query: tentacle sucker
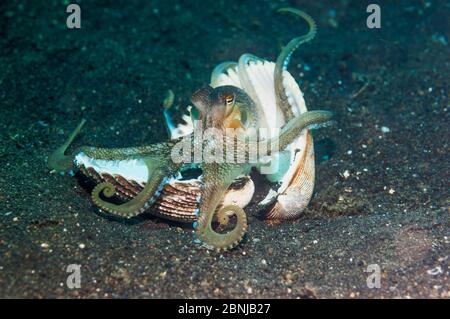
230,239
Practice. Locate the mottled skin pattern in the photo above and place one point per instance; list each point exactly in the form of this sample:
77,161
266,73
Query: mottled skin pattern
220,108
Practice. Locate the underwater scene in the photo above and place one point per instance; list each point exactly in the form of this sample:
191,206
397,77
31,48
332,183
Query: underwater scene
277,149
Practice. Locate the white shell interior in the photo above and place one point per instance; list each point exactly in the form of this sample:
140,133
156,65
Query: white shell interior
183,129
241,197
135,170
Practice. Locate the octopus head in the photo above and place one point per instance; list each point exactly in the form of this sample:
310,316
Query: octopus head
222,107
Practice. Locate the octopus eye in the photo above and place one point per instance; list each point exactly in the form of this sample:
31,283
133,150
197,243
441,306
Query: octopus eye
229,100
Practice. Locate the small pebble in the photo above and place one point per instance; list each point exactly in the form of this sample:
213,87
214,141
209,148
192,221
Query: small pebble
435,271
346,174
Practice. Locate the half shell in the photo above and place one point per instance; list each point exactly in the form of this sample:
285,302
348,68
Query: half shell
178,199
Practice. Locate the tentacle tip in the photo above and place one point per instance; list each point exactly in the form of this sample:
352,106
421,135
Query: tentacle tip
284,9
168,100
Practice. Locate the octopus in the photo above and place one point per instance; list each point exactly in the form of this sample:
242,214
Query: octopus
211,193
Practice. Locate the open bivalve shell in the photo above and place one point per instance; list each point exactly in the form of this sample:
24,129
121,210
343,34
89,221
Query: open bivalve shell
178,198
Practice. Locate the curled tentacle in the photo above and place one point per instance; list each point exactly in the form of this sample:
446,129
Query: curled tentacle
283,61
107,189
230,239
217,179
157,172
58,160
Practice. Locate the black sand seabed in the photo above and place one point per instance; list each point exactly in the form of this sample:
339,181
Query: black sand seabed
380,198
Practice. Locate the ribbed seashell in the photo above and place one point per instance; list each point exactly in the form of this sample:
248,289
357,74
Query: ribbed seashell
178,199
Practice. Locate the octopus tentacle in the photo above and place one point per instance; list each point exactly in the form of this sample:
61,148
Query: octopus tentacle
288,134
217,179
167,105
294,127
124,153
157,172
60,162
57,160
284,58
231,239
